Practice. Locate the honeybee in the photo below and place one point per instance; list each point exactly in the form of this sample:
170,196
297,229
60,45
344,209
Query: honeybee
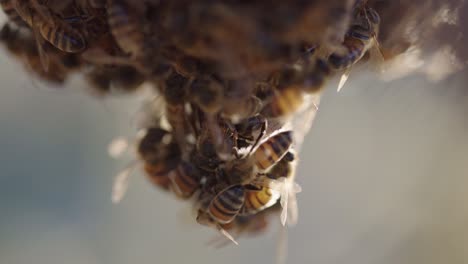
163,165
292,85
247,225
160,155
22,45
267,154
258,198
105,79
239,103
48,26
126,28
360,38
227,203
8,7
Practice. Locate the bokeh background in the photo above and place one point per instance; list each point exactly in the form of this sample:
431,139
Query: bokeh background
384,173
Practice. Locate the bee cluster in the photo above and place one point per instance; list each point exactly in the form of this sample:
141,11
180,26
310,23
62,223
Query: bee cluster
232,76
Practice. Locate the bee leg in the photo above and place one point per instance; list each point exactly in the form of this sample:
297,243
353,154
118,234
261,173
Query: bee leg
235,152
260,136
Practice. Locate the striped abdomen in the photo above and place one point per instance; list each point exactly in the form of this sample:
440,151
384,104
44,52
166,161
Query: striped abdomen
62,36
284,102
271,151
185,179
157,174
226,205
258,200
124,27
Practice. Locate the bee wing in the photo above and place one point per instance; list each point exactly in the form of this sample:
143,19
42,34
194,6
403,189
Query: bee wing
343,79
377,59
303,120
121,182
40,43
288,189
228,236
117,147
282,245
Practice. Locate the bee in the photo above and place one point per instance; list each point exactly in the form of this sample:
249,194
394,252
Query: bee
185,180
267,154
225,206
272,150
22,45
227,203
165,166
48,26
160,155
174,90
292,85
207,93
105,79
218,150
248,129
247,225
238,103
126,28
258,198
8,7
360,38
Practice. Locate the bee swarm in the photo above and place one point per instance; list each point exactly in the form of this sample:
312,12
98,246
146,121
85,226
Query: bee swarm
232,77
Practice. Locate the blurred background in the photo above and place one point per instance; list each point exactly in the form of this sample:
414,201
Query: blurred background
383,170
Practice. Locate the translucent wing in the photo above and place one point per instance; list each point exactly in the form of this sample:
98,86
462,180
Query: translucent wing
288,189
282,245
121,183
41,43
343,79
302,121
117,147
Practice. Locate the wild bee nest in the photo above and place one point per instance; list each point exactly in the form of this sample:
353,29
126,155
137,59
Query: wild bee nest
238,82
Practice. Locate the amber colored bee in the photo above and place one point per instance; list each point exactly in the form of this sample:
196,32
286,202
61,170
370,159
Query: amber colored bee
23,46
239,103
164,164
160,155
126,27
226,204
185,180
359,39
174,89
219,149
239,194
105,80
50,26
282,168
207,93
257,199
272,150
292,85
